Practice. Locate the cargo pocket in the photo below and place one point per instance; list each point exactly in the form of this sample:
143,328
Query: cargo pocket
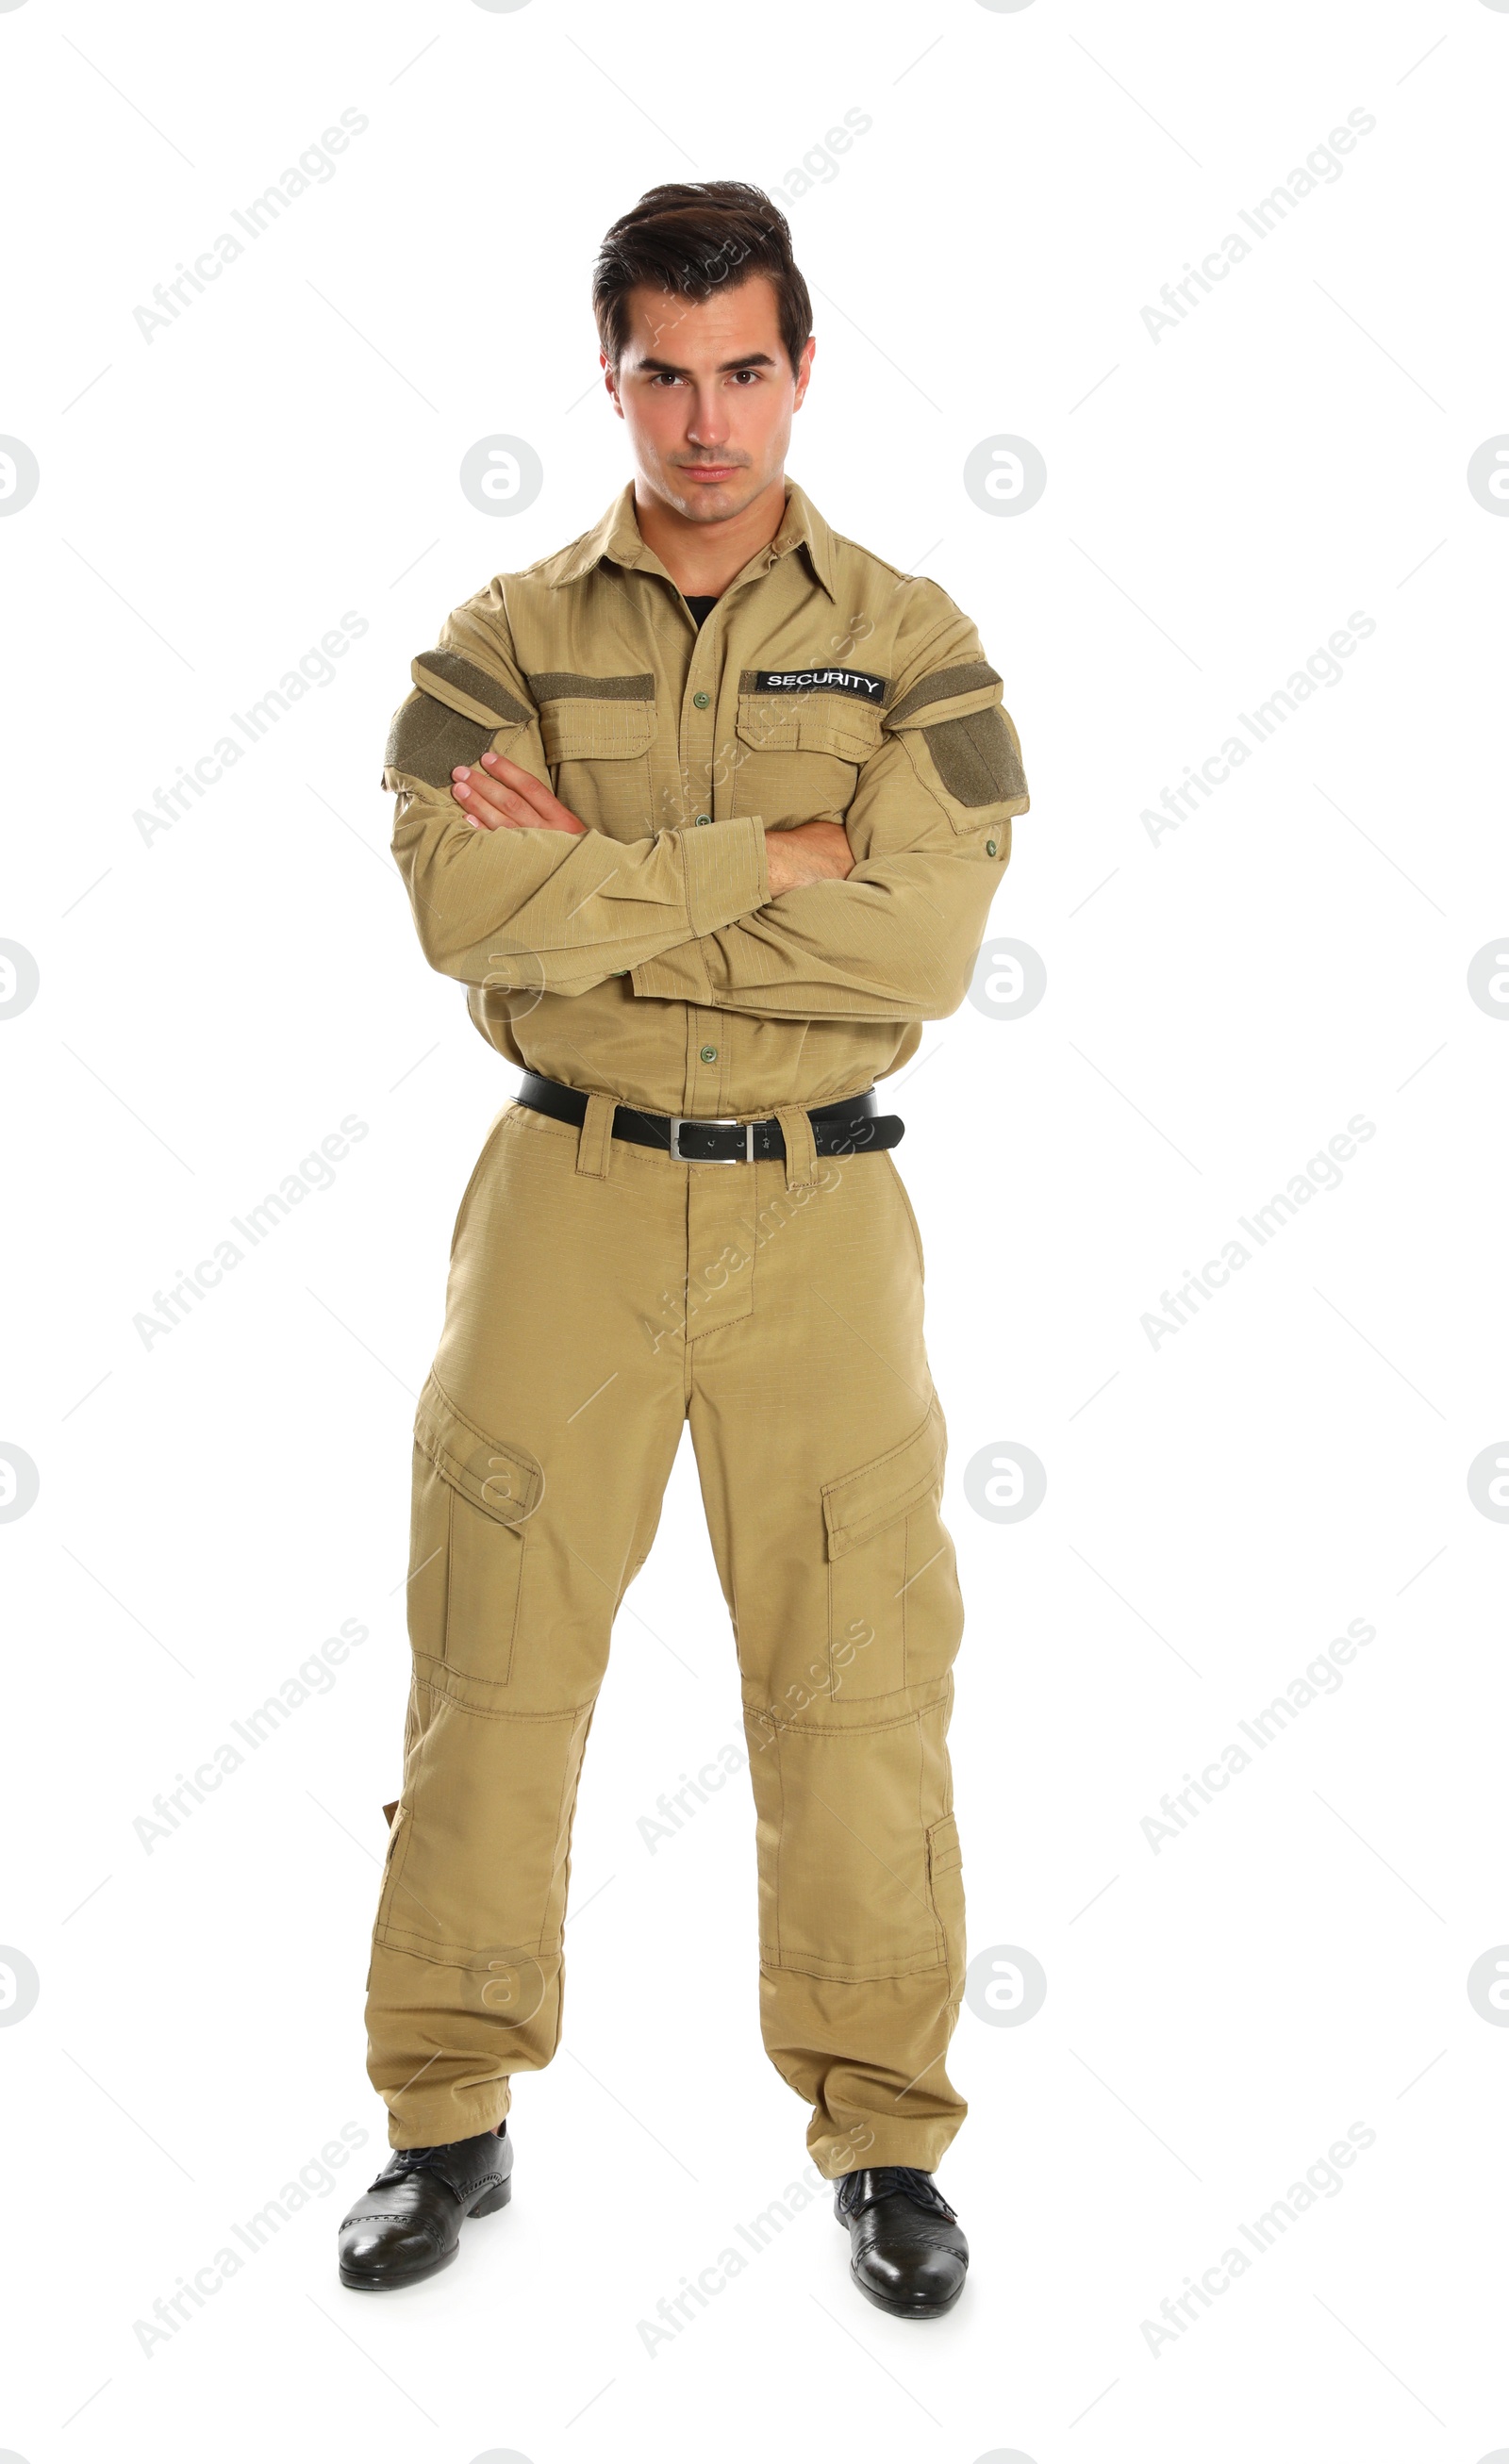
895,1615
798,755
473,1497
946,1887
841,1794
399,1834
597,732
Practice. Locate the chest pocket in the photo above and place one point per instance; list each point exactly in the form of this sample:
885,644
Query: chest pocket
799,753
597,733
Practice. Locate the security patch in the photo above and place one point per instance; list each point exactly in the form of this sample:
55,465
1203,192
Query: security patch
833,680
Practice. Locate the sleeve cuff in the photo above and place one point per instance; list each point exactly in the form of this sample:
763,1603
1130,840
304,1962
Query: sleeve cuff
677,974
726,873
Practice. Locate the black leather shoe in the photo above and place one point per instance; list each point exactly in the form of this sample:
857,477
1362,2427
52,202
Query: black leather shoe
409,2224
907,2252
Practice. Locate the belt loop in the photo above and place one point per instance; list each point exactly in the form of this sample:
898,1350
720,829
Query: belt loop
594,1145
801,1147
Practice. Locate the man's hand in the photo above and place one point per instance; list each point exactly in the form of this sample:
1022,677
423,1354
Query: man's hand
811,852
500,796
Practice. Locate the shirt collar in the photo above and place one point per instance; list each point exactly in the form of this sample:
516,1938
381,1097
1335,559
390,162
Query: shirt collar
617,535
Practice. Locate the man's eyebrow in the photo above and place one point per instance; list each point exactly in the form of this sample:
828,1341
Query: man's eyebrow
672,369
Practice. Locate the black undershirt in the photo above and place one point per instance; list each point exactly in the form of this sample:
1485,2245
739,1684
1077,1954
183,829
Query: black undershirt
702,606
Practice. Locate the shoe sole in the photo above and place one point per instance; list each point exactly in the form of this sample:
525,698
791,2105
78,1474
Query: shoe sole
485,2207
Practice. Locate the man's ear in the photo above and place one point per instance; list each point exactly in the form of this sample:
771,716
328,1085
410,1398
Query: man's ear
805,371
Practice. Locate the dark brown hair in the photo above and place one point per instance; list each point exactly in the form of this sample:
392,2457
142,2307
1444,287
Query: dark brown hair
687,237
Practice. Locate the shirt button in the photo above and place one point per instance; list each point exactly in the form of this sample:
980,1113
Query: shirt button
700,701
709,1052
702,818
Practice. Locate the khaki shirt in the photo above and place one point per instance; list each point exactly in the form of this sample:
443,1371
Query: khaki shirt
647,959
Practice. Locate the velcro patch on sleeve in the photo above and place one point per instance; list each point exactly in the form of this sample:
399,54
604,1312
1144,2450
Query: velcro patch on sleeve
976,758
463,685
808,681
944,684
428,738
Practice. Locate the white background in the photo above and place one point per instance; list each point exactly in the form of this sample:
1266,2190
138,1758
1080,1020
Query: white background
1220,1002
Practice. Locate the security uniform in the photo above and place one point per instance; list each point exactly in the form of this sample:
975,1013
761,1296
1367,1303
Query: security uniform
603,1289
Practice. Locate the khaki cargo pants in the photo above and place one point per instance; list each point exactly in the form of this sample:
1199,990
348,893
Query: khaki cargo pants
601,1294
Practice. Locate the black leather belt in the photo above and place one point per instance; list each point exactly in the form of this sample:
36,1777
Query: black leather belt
852,1127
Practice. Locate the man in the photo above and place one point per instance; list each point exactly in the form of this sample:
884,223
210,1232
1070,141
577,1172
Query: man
706,811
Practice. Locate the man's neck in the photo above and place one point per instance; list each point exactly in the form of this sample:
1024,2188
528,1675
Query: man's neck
702,557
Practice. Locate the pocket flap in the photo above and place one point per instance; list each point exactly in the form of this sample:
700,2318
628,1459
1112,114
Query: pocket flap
856,1507
500,1481
594,718
815,722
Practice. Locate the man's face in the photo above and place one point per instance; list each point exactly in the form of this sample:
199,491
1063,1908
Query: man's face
708,393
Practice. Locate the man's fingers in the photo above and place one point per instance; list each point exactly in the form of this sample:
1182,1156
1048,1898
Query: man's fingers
531,790
487,800
475,788
515,802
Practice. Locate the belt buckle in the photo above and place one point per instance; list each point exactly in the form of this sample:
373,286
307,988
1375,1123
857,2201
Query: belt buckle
688,1120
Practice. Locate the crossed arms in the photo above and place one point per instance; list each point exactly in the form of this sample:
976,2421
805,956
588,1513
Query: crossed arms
500,796
878,916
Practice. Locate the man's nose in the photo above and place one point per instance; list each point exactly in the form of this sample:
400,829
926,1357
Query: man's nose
708,424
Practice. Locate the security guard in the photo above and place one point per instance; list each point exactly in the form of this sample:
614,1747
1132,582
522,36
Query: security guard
706,811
